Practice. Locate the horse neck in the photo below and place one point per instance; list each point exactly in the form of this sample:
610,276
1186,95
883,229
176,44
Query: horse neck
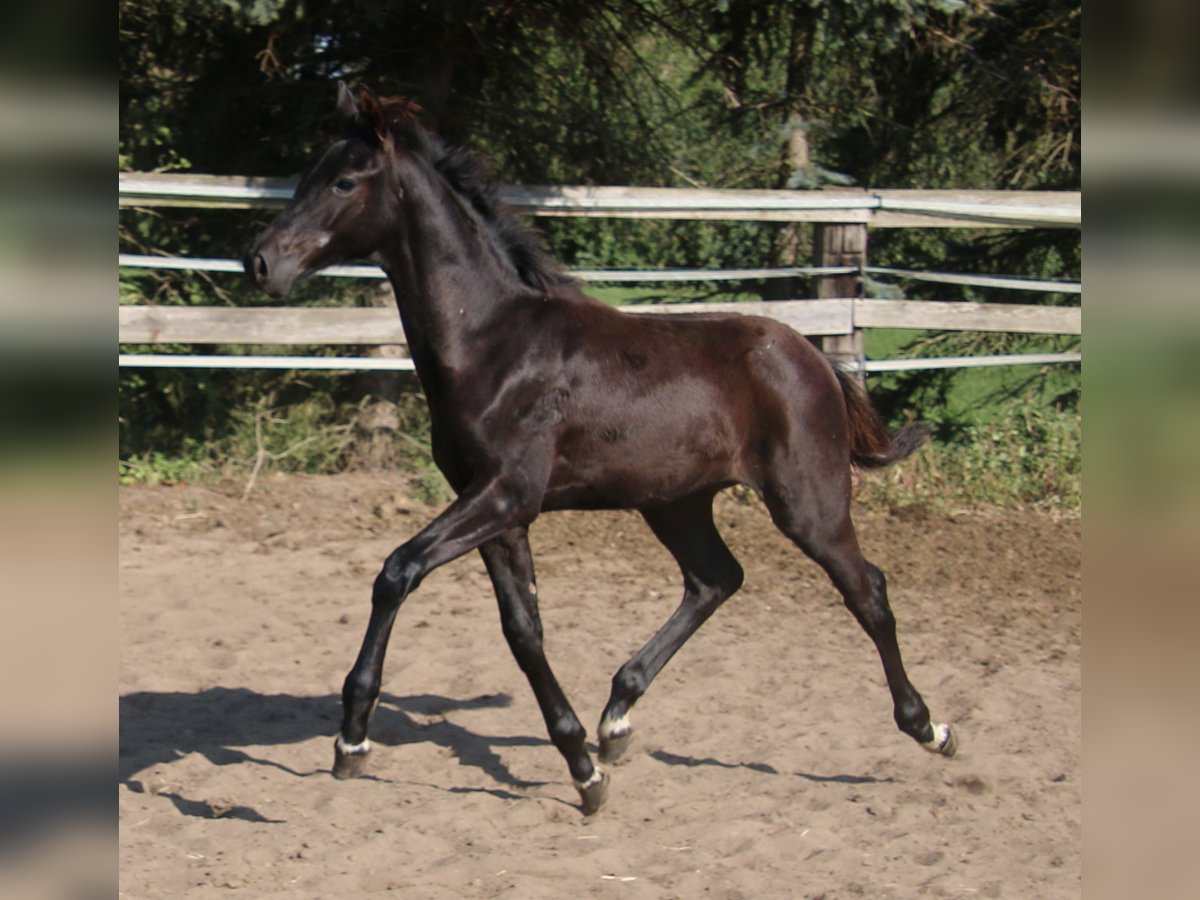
451,279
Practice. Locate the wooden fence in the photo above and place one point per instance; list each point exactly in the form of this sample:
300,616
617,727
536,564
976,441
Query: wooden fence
837,316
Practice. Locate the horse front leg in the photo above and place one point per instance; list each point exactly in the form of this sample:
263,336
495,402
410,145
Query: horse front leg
481,513
510,565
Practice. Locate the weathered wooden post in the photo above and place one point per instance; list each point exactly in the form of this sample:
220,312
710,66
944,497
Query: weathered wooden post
842,244
375,445
790,239
834,244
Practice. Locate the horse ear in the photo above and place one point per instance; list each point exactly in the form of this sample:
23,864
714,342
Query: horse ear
347,108
362,115
370,115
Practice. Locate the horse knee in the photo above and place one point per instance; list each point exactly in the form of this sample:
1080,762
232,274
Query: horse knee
877,581
523,635
566,732
397,579
514,502
630,682
359,685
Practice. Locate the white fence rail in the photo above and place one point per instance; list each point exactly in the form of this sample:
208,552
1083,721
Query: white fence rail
646,276
373,326
875,208
404,364
831,317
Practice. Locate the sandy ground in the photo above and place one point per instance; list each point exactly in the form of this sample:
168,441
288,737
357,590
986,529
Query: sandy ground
765,763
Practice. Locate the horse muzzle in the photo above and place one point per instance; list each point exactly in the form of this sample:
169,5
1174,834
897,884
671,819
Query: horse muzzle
272,271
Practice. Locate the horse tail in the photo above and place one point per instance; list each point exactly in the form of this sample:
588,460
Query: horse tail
872,446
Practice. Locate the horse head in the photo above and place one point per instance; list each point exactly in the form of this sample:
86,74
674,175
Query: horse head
342,207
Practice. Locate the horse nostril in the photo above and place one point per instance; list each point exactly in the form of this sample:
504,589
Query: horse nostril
260,267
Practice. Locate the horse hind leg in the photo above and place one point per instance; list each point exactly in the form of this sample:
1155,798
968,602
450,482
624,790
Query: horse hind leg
829,539
938,737
711,575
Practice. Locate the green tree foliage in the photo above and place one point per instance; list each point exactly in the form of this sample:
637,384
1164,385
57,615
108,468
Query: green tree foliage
888,93
896,92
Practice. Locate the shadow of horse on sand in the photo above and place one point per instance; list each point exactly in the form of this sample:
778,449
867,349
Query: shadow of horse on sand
220,723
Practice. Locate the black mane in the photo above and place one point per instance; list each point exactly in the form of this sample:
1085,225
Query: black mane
469,177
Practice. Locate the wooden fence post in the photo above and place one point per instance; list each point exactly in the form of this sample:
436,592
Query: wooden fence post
787,249
841,245
374,443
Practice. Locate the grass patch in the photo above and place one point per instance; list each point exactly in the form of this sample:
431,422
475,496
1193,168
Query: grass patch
952,398
311,435
298,437
1031,457
1009,436
1024,455
1003,435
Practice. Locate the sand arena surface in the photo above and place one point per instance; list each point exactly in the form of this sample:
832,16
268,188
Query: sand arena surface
765,762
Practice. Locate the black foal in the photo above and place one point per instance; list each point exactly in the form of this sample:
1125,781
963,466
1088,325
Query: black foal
543,398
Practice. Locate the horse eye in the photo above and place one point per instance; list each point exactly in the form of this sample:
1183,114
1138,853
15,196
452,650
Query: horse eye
344,185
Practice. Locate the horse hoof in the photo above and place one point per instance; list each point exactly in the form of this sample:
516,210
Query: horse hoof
613,747
349,764
943,742
593,794
950,745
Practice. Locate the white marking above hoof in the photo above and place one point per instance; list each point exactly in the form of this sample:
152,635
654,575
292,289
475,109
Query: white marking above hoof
596,778
593,792
612,728
943,740
353,749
